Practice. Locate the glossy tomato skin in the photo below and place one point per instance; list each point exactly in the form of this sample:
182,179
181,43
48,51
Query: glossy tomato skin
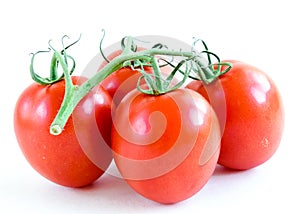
166,147
254,115
68,159
121,82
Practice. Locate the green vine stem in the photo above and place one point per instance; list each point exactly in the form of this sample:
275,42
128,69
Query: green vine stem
157,85
74,94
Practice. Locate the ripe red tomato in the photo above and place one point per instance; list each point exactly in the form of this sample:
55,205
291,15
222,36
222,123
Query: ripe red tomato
254,115
119,83
166,147
124,80
81,153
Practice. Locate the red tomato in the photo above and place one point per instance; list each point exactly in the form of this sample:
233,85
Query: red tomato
166,147
254,115
119,83
80,154
124,80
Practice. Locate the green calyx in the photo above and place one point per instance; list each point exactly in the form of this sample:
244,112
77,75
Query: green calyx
196,65
211,70
54,77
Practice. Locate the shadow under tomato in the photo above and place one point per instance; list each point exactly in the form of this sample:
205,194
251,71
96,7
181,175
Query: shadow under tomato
111,191
221,171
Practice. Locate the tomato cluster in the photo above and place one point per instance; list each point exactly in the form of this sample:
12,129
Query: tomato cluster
165,146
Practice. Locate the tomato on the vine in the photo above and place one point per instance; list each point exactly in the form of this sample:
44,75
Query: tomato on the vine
79,155
166,140
254,115
120,83
125,79
166,147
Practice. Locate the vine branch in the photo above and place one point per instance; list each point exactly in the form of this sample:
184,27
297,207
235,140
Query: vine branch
192,61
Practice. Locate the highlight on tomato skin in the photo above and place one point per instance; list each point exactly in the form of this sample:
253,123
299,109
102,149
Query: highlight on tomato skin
62,159
254,115
166,147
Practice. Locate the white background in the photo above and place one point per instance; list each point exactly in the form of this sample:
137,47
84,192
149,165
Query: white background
262,33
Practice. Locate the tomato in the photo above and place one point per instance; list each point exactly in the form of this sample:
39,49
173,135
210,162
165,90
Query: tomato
122,81
254,115
166,147
119,83
81,153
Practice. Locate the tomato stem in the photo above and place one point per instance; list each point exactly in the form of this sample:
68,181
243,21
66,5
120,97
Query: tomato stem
74,95
157,76
157,85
